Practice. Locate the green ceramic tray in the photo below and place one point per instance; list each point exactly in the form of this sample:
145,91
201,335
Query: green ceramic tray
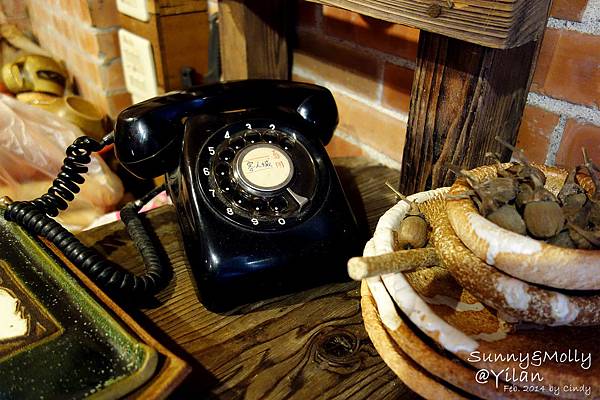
56,341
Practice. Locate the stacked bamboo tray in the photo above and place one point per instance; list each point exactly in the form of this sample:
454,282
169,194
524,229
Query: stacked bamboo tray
445,341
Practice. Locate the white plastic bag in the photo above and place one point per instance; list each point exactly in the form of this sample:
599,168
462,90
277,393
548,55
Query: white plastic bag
32,149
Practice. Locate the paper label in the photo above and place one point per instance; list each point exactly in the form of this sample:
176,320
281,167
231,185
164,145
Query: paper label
138,65
137,9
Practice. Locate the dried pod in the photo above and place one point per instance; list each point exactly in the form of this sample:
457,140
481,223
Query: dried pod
582,238
570,187
594,213
525,173
508,217
572,196
413,230
593,171
542,194
581,216
478,204
532,176
594,216
493,156
573,204
544,219
515,169
524,196
492,193
538,195
503,190
563,239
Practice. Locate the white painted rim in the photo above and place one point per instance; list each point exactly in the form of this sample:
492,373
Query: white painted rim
394,288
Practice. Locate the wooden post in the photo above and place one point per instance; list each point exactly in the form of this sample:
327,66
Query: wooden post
463,95
253,35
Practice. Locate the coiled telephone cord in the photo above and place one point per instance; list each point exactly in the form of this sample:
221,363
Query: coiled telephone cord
35,217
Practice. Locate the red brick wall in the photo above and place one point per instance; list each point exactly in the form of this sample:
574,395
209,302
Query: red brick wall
15,12
83,34
369,65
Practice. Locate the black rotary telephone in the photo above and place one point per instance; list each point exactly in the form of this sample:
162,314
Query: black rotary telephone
260,206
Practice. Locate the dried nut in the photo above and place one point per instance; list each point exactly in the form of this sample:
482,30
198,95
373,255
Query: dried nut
544,219
412,233
507,217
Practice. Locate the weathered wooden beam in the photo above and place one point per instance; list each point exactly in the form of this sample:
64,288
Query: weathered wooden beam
491,23
253,36
463,95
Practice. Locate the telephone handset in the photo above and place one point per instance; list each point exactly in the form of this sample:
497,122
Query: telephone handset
259,203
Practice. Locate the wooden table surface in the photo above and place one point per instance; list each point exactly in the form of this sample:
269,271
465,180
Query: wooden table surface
306,345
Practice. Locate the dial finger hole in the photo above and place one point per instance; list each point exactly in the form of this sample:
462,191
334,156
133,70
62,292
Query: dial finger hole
240,200
270,137
259,205
225,186
252,137
278,204
222,170
227,155
237,143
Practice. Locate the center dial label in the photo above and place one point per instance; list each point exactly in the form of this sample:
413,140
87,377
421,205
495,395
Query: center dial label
263,167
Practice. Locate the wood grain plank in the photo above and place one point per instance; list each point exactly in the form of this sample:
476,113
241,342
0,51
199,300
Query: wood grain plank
463,96
496,24
308,345
253,38
169,7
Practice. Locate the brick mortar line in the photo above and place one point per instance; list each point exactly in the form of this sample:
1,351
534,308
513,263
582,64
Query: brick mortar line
381,55
369,151
591,27
555,139
80,51
344,91
59,12
562,107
